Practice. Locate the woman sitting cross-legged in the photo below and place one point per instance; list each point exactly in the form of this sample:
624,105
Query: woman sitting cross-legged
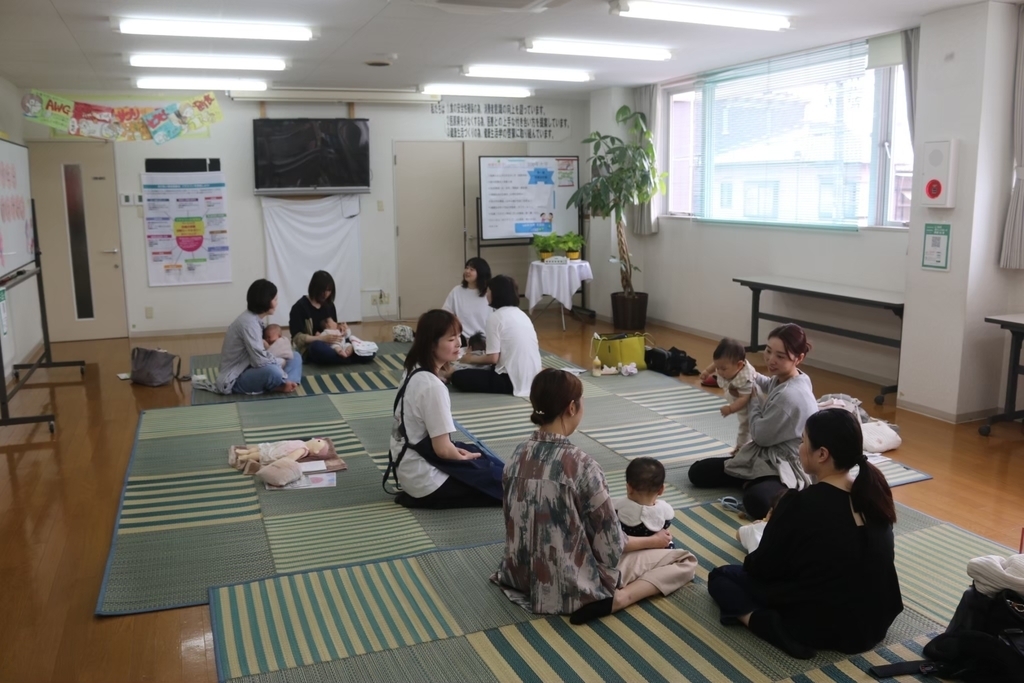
769,463
512,347
316,332
246,367
432,471
565,552
823,575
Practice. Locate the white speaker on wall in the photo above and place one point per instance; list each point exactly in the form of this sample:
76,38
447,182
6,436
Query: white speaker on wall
939,165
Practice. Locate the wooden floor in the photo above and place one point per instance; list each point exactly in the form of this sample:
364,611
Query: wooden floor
59,496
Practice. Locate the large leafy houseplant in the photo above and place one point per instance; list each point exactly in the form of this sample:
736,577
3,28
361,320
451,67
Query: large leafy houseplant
625,175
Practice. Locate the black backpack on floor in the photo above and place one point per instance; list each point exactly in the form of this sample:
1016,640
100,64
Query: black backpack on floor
672,362
984,643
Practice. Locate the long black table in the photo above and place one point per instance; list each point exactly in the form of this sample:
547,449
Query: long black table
859,296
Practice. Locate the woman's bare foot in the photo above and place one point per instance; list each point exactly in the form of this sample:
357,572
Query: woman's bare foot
287,388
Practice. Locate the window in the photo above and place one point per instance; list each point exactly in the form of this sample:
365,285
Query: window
811,139
761,199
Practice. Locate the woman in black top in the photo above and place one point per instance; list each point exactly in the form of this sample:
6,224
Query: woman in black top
309,318
823,575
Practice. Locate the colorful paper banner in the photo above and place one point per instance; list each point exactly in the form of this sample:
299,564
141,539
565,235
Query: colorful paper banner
123,124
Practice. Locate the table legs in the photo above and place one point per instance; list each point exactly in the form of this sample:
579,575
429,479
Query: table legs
1013,371
755,316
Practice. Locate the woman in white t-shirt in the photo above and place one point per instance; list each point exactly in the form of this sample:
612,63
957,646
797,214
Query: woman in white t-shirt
468,301
512,347
424,409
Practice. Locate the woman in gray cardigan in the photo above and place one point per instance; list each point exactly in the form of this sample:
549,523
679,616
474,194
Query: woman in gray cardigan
769,463
245,365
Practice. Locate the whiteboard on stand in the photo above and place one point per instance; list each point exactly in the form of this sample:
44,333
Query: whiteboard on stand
524,196
17,247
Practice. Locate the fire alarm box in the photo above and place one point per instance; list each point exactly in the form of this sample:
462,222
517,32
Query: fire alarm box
939,163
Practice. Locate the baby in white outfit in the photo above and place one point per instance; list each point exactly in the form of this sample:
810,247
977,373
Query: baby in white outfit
278,346
641,512
338,338
736,376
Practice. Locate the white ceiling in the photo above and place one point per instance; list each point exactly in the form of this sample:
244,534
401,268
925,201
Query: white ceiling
71,46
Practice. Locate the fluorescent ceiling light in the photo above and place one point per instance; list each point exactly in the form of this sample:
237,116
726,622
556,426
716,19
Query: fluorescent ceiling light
208,62
526,73
696,14
468,90
582,49
190,83
215,29
333,95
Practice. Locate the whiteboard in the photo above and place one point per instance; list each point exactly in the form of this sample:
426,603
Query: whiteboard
523,196
17,246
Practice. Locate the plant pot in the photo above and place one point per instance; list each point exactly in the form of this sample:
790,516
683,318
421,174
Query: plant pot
545,255
572,255
629,312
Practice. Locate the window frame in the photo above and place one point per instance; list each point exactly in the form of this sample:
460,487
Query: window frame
881,171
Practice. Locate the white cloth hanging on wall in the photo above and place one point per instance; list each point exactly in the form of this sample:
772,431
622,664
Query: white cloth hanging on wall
305,236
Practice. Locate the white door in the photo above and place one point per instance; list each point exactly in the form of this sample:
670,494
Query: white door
430,225
75,197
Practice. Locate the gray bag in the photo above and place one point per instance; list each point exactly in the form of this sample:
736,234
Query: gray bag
154,367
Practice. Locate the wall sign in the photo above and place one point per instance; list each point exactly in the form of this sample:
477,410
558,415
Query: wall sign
935,254
502,121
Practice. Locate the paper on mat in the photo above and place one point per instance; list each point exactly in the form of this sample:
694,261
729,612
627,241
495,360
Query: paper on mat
313,466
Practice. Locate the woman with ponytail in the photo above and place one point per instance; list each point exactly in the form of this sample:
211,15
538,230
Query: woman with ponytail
565,552
823,576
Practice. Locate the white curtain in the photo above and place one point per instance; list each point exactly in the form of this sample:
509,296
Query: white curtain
1012,255
305,236
911,48
645,216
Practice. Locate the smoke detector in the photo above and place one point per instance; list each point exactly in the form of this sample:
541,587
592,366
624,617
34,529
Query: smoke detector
492,6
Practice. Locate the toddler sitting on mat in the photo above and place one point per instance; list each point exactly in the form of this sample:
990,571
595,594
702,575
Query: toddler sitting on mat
641,512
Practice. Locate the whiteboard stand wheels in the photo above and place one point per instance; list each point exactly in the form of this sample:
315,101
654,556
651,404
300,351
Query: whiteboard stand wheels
53,427
985,430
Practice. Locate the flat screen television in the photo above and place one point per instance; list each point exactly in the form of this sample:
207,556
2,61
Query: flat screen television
311,156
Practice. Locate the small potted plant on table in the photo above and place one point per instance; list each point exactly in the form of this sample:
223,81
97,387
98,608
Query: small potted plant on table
572,243
545,245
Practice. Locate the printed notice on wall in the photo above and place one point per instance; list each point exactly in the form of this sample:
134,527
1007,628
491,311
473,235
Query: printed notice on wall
936,246
502,121
523,196
186,229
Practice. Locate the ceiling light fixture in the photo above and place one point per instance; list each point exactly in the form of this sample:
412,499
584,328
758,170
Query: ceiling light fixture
696,14
190,83
215,29
468,90
208,62
526,73
551,46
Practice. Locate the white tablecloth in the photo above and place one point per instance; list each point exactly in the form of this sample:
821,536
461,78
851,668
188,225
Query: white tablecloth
558,280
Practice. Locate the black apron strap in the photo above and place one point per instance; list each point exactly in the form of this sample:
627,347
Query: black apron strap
395,461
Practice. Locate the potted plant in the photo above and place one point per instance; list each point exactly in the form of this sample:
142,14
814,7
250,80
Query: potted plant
545,245
571,243
625,174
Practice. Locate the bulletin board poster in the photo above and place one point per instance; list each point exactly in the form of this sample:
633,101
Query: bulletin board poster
187,237
524,196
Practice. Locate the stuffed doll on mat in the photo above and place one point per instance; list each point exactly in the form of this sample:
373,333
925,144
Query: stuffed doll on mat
277,462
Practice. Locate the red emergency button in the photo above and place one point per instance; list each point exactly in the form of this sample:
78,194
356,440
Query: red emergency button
933,189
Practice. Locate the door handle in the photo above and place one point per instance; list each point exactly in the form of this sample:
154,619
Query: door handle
111,251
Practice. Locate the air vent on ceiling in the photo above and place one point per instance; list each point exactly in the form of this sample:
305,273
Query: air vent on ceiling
492,6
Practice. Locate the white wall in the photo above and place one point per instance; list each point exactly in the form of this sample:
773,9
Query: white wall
177,309
954,361
25,330
689,266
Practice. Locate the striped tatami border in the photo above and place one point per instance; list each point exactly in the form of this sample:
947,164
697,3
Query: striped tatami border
678,401
298,620
191,499
665,440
